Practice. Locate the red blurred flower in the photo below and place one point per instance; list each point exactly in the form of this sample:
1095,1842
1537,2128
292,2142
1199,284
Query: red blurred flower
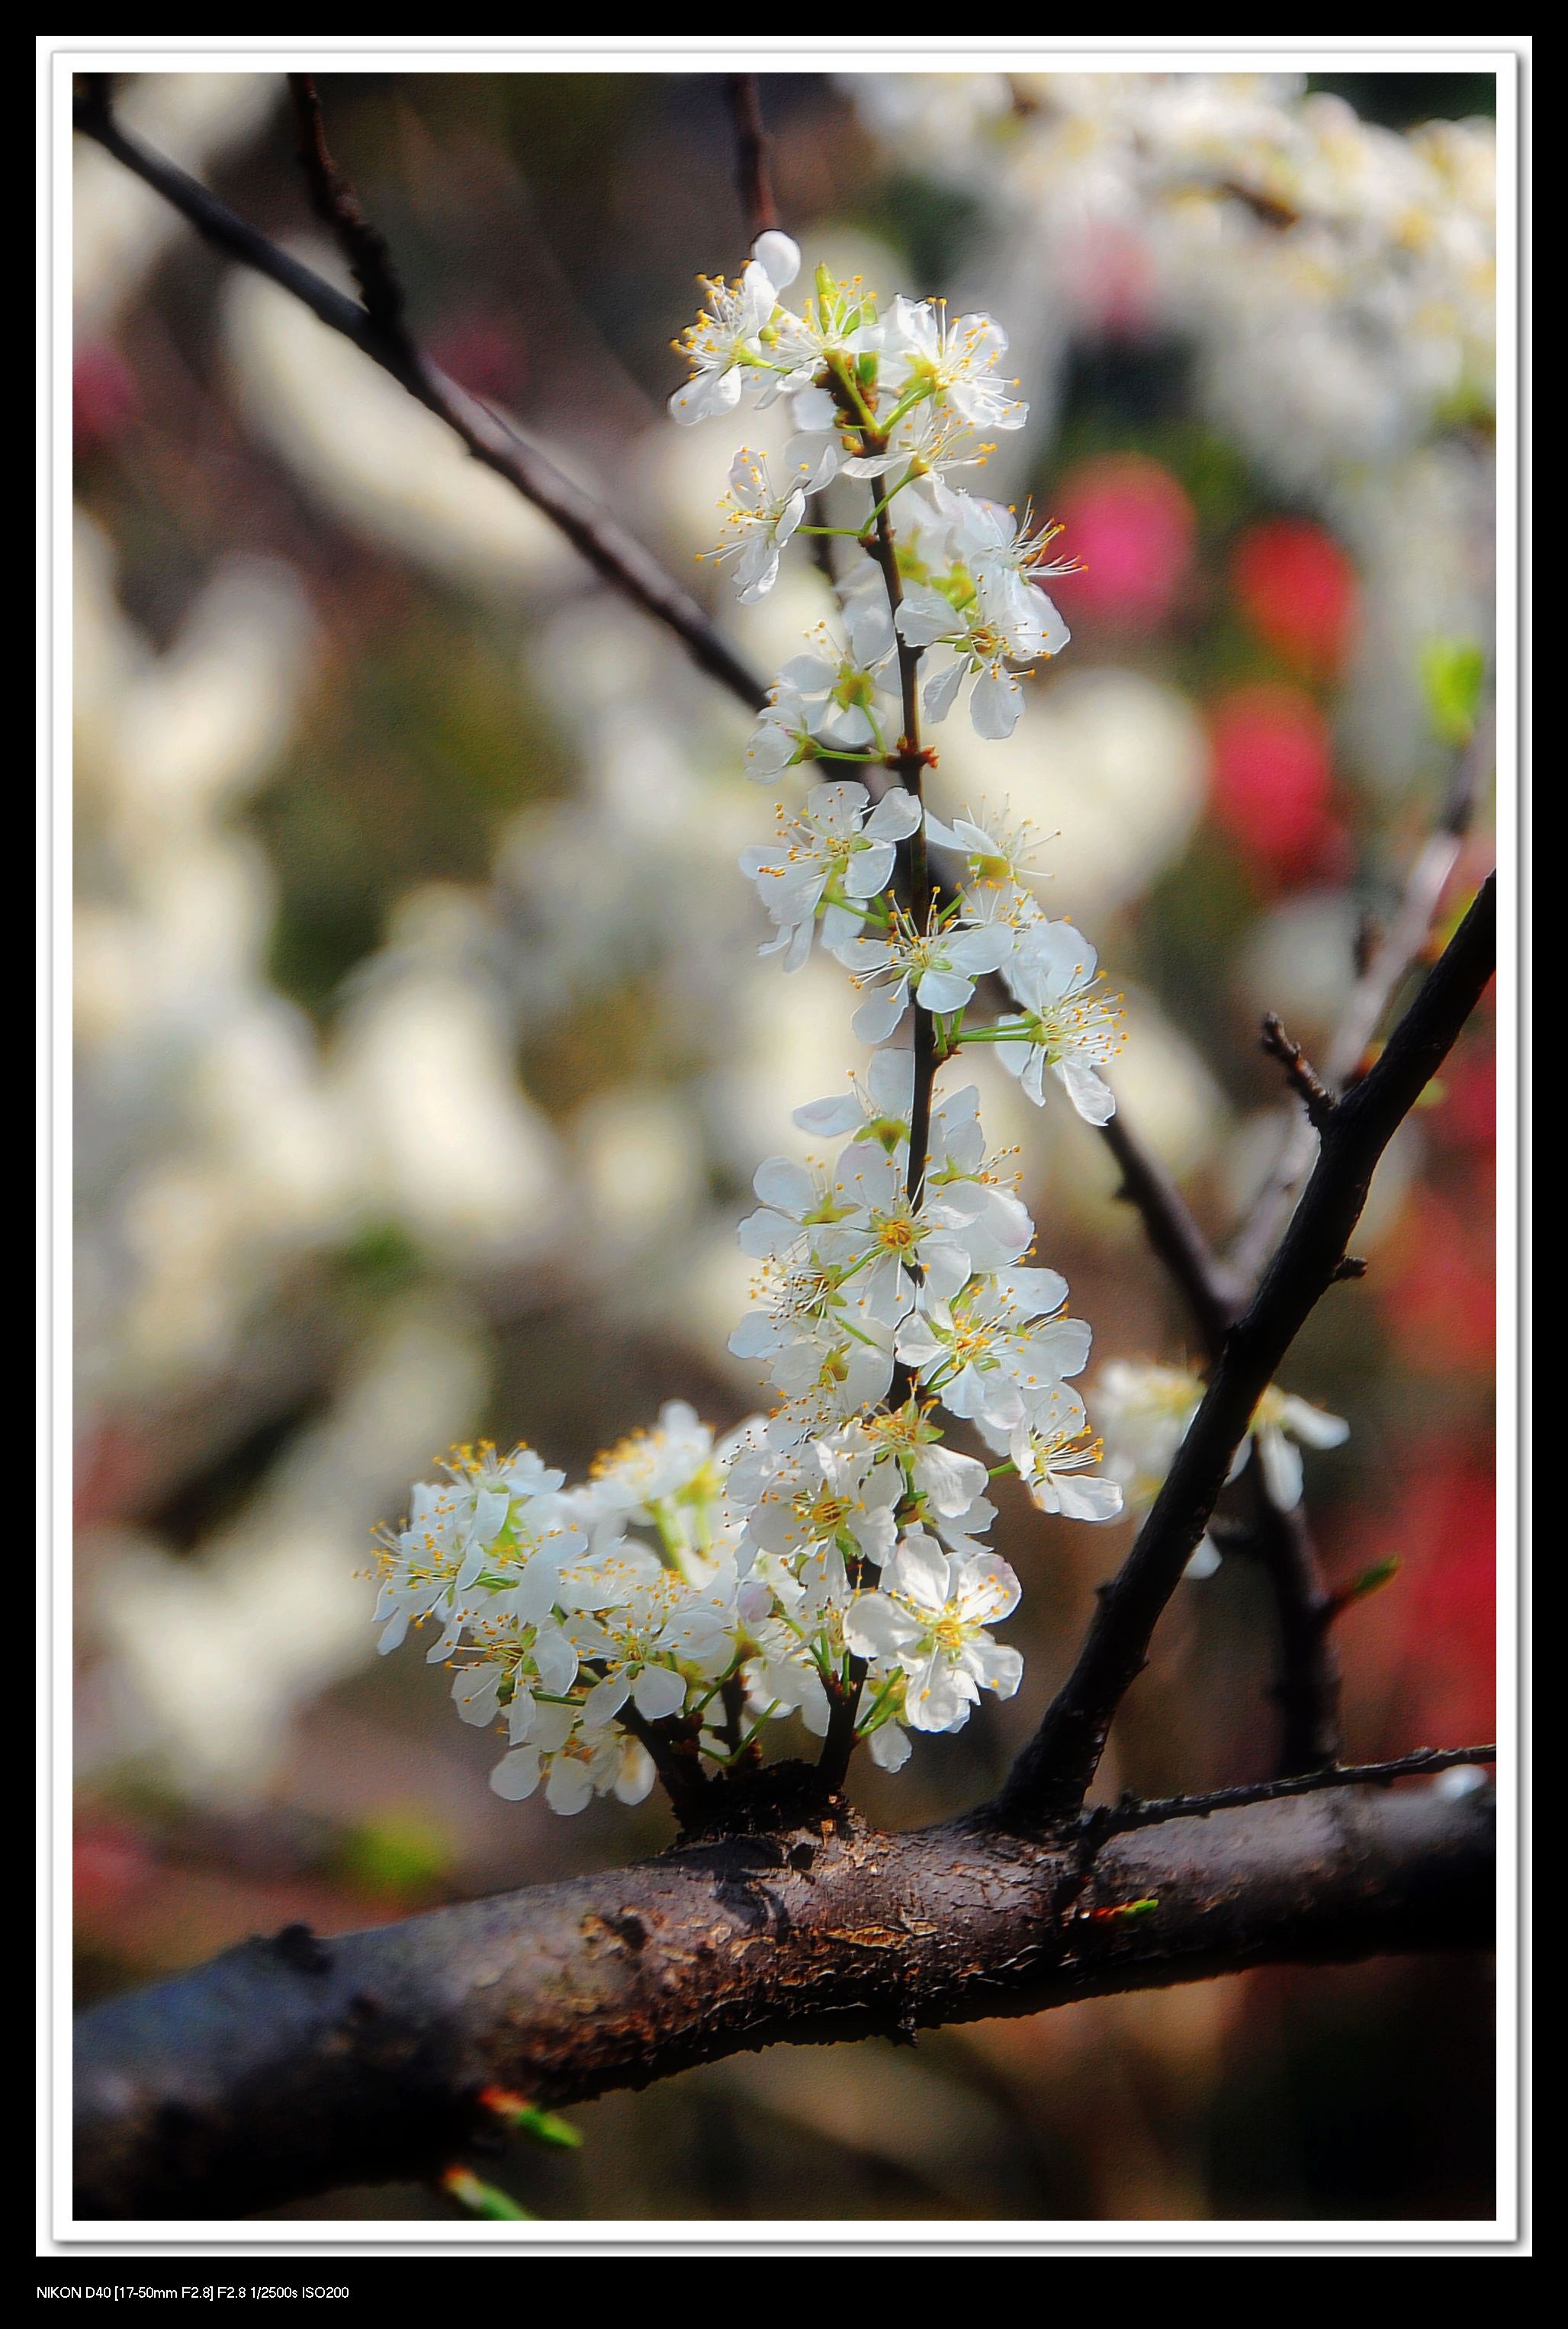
104,395
111,1862
1467,1115
1274,776
1132,524
1421,1656
1436,1283
1298,590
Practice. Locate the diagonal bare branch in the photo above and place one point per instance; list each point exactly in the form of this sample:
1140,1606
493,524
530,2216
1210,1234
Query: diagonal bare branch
1056,1767
608,546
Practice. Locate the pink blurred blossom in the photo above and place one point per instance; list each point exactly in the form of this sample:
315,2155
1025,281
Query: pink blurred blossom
1132,527
104,396
1273,777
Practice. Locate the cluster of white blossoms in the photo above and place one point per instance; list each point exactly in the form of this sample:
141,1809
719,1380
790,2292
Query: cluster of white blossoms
726,1583
932,577
828,1559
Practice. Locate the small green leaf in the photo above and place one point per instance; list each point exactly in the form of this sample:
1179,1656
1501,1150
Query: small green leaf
1373,1580
515,2111
546,2126
1126,1911
1454,671
395,1852
460,2184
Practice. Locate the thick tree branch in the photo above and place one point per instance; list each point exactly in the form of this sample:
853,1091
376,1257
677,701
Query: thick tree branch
297,2065
1054,1772
607,545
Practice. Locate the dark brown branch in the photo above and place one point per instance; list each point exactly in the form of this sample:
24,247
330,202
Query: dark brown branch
337,206
297,2065
609,547
1054,1772
1307,1691
751,152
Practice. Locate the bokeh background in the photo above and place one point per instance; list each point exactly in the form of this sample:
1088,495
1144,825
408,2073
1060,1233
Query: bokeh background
424,1057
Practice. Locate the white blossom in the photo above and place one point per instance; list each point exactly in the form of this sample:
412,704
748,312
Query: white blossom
1053,1450
939,964
1145,1411
981,638
923,351
781,737
1067,1026
884,1236
760,516
575,1765
837,854
999,1342
726,338
1279,1421
823,1491
839,679
929,1618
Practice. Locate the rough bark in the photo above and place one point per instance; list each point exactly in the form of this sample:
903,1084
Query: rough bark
296,2065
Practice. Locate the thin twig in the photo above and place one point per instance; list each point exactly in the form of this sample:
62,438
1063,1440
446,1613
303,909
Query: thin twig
909,766
1052,1775
1213,1294
1122,1818
911,762
338,207
671,1747
1379,981
1300,1073
1308,1689
607,545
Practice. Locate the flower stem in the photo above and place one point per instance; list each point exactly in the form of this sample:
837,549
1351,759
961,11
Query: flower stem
910,764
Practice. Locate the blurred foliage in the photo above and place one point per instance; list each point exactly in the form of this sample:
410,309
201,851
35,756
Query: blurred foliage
419,746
